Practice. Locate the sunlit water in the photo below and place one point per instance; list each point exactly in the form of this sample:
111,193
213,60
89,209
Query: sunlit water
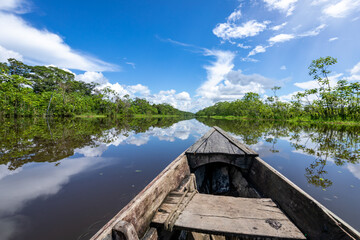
64,180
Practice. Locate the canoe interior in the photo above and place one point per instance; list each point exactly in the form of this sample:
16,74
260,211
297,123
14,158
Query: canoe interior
229,169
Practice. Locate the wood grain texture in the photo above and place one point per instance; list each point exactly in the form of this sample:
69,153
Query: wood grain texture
151,234
142,208
199,142
312,218
230,216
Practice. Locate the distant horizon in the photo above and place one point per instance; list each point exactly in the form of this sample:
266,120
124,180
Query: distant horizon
188,54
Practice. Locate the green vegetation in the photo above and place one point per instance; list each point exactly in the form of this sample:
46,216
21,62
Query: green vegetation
27,91
325,103
338,144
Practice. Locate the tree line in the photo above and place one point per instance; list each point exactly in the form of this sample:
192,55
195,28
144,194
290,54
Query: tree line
27,91
326,102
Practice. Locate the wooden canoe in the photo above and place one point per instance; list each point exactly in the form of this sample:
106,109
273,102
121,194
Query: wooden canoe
238,196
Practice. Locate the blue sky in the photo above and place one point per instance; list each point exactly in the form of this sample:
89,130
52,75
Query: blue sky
190,54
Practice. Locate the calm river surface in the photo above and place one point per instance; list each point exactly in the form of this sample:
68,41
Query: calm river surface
65,179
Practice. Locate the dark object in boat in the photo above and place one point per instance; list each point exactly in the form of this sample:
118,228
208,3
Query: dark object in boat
256,201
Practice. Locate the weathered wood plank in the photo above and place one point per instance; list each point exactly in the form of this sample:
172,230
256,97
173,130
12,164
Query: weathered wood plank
312,218
142,208
151,234
224,215
236,142
199,142
216,143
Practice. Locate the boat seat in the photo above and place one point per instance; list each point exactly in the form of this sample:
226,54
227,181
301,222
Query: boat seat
225,215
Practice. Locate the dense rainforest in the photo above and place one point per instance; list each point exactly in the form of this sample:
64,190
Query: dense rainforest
329,102
27,91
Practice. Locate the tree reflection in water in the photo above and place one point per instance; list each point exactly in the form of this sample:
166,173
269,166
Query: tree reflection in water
39,140
326,142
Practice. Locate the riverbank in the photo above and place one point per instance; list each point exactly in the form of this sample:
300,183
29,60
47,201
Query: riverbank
294,120
90,115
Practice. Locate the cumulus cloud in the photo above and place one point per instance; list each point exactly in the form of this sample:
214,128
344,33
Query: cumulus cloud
342,8
225,84
39,46
92,77
228,30
180,100
286,6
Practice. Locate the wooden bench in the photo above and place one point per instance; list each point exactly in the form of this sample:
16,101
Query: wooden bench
228,216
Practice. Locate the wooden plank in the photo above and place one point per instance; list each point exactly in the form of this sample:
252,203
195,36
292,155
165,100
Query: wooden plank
236,142
142,208
216,143
193,148
151,234
312,218
230,216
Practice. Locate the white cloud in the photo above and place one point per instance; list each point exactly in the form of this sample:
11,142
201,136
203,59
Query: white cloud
286,6
95,77
39,46
355,73
257,49
281,38
228,31
342,8
333,39
278,27
5,54
180,100
283,67
140,89
216,72
234,16
225,84
355,69
240,45
314,84
17,6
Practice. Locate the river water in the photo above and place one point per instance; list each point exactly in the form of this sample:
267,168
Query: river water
65,179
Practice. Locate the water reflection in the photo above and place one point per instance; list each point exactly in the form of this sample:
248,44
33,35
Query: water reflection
30,140
335,143
50,171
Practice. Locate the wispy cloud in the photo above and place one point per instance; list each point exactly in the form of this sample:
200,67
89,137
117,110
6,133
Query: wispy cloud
281,38
342,8
39,46
256,50
278,27
333,39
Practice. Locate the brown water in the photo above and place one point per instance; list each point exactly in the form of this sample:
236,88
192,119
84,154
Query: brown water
65,179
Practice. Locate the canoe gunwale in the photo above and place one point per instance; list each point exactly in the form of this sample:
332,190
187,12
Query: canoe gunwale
137,212
264,177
